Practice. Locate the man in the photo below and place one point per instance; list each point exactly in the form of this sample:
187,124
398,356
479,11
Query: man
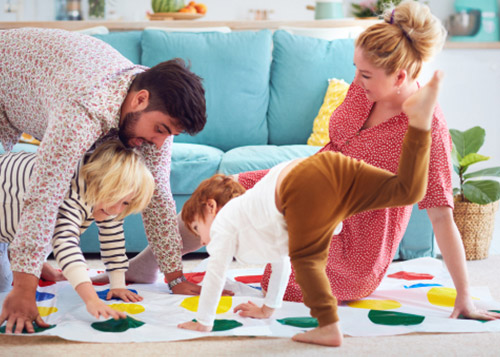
69,91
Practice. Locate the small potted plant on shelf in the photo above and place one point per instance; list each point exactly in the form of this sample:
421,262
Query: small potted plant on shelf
372,8
476,199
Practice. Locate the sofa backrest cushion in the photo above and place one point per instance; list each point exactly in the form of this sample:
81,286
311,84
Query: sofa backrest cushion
300,71
235,70
128,43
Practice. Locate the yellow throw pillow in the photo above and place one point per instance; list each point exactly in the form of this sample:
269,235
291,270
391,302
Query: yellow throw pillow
335,94
28,139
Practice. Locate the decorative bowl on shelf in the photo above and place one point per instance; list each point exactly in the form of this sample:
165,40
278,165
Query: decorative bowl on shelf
174,16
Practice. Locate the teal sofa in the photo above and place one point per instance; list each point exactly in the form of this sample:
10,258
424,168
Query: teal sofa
263,91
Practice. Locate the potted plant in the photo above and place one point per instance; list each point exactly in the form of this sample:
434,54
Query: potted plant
476,199
372,8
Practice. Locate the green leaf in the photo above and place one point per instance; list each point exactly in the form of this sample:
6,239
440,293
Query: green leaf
473,158
469,141
456,191
482,192
455,157
492,171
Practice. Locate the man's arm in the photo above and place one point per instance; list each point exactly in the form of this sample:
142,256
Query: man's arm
62,146
160,217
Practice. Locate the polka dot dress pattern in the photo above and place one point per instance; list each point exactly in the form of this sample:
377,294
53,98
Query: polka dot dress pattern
360,255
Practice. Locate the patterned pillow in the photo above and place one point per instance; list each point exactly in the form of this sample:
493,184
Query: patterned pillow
335,94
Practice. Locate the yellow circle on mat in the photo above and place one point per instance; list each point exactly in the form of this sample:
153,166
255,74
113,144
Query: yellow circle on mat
46,311
443,296
191,304
130,308
375,304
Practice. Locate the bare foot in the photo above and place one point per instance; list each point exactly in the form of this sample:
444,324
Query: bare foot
420,105
329,335
49,273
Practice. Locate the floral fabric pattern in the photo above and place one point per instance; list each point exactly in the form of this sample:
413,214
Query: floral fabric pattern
66,89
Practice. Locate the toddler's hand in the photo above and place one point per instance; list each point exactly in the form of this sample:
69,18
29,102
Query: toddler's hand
124,294
97,307
249,309
195,326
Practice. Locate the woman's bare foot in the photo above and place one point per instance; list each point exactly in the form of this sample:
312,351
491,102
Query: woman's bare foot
329,335
50,273
420,106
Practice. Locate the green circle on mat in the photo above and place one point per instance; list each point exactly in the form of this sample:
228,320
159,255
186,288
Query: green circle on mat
120,325
299,321
393,318
462,317
35,326
224,325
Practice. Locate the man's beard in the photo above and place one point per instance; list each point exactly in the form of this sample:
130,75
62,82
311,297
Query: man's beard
127,129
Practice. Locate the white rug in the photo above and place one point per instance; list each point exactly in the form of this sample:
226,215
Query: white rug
418,298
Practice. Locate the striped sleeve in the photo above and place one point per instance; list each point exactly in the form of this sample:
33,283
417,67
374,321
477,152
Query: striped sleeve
73,218
112,240
15,172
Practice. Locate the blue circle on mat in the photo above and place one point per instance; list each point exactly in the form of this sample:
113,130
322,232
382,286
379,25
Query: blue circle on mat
44,296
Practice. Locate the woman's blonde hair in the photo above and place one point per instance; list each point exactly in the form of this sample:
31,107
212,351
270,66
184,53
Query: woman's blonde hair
113,172
219,187
409,36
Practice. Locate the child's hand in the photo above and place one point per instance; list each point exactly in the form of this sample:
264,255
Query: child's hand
97,307
195,326
249,309
124,294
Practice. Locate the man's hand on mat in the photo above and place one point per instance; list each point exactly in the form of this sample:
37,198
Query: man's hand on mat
124,294
96,307
250,309
19,307
464,307
195,326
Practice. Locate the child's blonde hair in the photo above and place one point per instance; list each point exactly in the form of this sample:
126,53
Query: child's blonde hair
409,36
113,172
220,188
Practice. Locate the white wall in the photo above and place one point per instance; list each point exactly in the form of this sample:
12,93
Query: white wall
134,10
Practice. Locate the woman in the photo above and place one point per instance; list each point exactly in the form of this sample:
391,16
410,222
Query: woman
370,126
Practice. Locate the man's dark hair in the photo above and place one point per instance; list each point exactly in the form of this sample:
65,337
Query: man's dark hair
176,91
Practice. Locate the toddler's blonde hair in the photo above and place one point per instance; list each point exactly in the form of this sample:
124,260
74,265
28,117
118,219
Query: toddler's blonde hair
219,187
114,171
409,36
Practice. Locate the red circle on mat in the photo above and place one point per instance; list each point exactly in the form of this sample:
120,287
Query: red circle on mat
410,276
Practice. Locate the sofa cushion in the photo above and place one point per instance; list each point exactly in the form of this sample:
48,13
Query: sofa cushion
128,43
418,240
259,157
235,70
299,78
191,164
21,147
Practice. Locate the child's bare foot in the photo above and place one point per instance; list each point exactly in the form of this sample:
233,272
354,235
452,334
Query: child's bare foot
329,335
49,273
420,106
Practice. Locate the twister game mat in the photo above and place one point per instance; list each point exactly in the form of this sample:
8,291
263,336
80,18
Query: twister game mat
415,296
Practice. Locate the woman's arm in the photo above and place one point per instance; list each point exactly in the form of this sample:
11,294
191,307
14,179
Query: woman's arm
450,244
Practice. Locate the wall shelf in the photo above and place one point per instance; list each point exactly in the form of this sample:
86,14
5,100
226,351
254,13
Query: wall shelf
234,25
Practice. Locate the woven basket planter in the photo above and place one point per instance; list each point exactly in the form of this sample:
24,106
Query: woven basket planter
475,223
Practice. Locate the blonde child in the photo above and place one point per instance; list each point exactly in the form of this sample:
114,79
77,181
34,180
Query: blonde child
109,184
291,213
